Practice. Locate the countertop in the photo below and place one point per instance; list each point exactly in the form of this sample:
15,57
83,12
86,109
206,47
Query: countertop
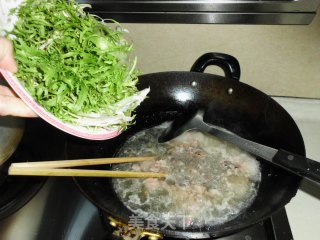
304,209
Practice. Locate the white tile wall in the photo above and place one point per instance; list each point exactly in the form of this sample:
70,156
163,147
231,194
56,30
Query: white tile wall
279,60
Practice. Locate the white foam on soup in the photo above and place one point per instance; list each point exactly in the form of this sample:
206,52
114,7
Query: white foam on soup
209,181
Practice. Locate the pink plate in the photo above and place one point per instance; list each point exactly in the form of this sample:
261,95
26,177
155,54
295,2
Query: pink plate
82,132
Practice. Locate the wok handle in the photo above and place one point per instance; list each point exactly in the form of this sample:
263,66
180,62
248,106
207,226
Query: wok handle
300,165
228,63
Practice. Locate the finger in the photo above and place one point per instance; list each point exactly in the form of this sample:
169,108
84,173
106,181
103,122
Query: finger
13,106
7,61
6,91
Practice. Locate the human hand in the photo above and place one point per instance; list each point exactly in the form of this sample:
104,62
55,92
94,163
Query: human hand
10,104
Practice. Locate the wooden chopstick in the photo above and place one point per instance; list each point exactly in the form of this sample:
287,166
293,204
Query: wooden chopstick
80,173
80,162
56,168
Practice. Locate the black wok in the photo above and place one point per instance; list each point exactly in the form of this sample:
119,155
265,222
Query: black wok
230,104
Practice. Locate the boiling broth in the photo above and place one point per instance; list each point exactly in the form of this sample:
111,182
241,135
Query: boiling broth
209,181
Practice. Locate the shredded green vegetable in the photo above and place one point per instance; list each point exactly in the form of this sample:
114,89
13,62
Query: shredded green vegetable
71,62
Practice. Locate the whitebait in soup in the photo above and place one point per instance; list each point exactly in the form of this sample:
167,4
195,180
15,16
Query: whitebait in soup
209,181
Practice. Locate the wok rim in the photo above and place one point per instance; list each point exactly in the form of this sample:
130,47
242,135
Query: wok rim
188,233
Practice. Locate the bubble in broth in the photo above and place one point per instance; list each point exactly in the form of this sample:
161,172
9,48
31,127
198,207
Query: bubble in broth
209,181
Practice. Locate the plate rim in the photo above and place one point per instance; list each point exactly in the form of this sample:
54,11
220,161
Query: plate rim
50,118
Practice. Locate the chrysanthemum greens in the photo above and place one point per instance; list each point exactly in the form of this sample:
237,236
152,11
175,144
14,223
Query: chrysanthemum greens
71,62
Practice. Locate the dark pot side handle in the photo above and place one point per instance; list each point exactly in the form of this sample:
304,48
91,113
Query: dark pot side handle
228,63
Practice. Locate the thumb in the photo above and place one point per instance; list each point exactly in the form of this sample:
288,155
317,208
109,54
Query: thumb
7,61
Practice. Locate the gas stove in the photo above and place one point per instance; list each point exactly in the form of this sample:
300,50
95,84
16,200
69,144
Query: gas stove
54,208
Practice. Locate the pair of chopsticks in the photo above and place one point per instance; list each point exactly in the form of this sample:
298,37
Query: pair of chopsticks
61,168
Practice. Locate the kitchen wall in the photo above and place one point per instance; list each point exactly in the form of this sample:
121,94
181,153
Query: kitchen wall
279,60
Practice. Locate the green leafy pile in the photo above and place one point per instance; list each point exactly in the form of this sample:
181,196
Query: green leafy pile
71,62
